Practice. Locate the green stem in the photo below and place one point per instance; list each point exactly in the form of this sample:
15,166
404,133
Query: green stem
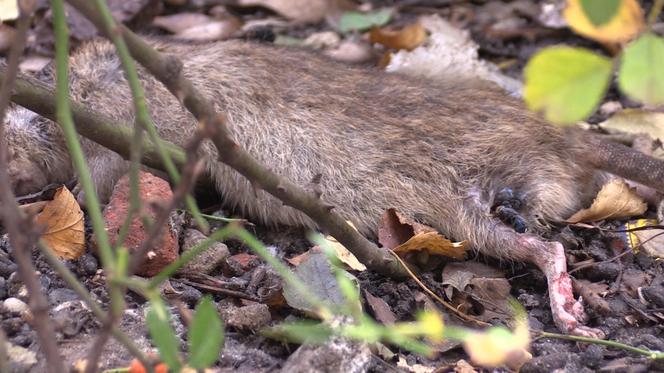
65,120
648,353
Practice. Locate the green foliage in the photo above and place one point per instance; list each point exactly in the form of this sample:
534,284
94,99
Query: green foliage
566,83
163,335
356,21
600,12
206,335
641,71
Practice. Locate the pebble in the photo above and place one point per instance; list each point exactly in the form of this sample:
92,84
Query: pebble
20,359
15,306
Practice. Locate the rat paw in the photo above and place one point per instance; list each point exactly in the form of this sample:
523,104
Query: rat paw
506,206
568,313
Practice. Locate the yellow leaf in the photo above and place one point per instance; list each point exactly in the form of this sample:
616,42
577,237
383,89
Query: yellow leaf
498,346
433,243
626,24
63,218
408,38
650,240
343,254
614,201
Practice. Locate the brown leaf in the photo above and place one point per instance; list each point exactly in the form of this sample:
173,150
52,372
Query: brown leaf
403,235
393,230
614,201
485,285
381,310
408,38
63,218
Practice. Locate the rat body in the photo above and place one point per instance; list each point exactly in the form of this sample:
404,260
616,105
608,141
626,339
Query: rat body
437,153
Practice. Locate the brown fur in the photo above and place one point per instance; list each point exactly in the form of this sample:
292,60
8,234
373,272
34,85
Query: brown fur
435,152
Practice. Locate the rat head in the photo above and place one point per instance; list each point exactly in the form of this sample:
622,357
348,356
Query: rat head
37,155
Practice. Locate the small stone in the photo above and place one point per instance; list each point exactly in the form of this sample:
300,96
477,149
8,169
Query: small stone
238,264
12,325
88,265
61,295
207,261
3,288
251,317
152,190
15,306
20,359
337,355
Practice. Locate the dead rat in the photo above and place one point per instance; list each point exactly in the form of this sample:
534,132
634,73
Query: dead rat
447,155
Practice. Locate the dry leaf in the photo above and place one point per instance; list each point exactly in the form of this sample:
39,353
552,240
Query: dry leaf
650,240
381,310
179,22
297,10
63,218
403,235
627,23
344,255
637,121
215,30
616,200
433,243
408,38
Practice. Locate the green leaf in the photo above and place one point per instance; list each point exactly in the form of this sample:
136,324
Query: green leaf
163,335
600,12
641,72
205,335
566,83
356,21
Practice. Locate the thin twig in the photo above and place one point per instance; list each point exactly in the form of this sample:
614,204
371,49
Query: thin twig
20,228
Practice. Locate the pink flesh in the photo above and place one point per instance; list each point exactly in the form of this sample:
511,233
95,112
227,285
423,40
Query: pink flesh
568,313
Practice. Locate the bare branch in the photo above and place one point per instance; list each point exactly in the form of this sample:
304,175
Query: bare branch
20,227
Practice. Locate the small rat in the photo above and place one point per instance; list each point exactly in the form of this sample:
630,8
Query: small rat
462,157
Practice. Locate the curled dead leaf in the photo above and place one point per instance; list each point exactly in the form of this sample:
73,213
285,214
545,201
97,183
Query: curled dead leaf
63,219
614,201
408,38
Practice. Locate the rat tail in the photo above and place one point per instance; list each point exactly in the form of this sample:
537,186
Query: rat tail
620,159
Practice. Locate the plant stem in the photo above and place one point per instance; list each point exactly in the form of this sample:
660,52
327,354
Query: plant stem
648,353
